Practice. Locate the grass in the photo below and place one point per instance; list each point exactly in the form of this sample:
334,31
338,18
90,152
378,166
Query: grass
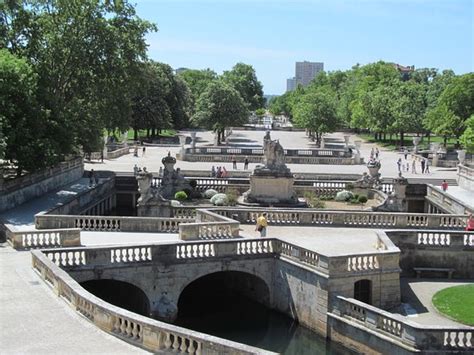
142,133
394,143
457,303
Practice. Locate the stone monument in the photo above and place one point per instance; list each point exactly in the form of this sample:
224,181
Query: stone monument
272,184
155,200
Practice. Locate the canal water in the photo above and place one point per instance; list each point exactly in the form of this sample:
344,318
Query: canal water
245,321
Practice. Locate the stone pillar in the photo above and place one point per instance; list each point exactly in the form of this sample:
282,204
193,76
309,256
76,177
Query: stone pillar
346,141
323,143
193,142
416,141
182,142
357,152
461,156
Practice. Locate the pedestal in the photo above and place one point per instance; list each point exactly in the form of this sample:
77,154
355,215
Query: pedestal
271,190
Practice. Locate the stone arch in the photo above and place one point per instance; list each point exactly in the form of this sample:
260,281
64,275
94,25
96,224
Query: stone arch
363,291
120,293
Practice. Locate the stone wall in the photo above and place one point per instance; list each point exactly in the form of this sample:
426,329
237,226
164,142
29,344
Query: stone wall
466,177
18,191
435,249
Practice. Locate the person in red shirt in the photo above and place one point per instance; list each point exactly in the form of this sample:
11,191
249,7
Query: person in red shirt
470,223
444,185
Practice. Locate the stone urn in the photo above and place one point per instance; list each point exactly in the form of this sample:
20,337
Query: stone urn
461,156
374,167
346,141
416,141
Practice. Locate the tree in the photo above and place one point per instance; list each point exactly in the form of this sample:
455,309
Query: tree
219,106
467,138
86,55
197,82
244,79
316,112
23,139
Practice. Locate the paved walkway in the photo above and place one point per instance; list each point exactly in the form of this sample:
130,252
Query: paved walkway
33,320
418,293
290,140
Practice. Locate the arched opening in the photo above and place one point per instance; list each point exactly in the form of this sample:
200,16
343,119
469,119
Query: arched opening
226,304
120,294
363,291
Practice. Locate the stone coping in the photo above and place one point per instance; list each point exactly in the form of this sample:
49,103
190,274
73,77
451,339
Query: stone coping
138,330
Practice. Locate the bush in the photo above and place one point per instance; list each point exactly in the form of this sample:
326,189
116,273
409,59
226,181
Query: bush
344,196
232,197
220,200
175,203
313,201
209,193
349,186
356,196
362,199
181,196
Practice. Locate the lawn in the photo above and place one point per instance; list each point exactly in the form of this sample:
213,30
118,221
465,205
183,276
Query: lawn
142,133
457,303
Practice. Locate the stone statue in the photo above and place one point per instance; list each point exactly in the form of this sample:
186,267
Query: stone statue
274,155
172,181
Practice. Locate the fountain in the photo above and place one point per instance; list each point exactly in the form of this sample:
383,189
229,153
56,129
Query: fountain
272,184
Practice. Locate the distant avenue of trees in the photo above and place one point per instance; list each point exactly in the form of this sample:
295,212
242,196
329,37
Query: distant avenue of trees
378,98
72,70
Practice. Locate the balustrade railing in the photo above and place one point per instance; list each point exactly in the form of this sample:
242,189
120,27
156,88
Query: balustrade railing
413,335
114,223
152,335
433,238
46,238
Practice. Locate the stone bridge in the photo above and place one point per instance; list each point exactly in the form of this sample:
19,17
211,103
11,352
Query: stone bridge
291,279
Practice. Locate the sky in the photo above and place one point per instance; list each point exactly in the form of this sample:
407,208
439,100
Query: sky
271,35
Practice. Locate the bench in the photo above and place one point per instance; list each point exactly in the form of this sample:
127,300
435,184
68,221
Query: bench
419,270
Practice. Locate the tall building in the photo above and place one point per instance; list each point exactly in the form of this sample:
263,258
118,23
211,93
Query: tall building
290,84
304,73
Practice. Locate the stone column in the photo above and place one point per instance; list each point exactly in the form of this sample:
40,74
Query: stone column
346,141
357,152
182,142
323,143
193,142
461,156
416,141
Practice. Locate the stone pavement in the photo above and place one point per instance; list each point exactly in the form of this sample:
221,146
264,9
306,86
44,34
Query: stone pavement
418,293
293,140
33,320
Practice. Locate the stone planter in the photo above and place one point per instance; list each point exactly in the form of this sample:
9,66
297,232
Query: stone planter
373,170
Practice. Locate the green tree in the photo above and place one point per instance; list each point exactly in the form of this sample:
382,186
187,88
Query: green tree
218,107
244,79
316,111
23,123
87,54
467,138
197,82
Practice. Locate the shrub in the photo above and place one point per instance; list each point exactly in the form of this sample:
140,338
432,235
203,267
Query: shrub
175,203
193,183
220,200
344,196
180,196
313,201
356,196
349,186
362,199
232,197
209,193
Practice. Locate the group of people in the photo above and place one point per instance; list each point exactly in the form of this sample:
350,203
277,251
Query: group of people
137,170
374,153
404,165
234,163
135,151
220,172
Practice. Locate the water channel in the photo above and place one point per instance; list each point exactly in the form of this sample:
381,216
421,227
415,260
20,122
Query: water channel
233,317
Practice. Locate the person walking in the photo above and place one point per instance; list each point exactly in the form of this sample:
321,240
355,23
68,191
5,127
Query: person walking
427,166
91,177
246,163
444,185
262,224
413,165
234,163
399,164
405,153
422,163
377,153
143,151
470,223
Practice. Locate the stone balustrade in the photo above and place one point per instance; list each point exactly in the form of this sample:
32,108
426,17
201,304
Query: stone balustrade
46,238
445,202
241,153
112,223
147,333
209,225
406,333
433,239
466,177
363,219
